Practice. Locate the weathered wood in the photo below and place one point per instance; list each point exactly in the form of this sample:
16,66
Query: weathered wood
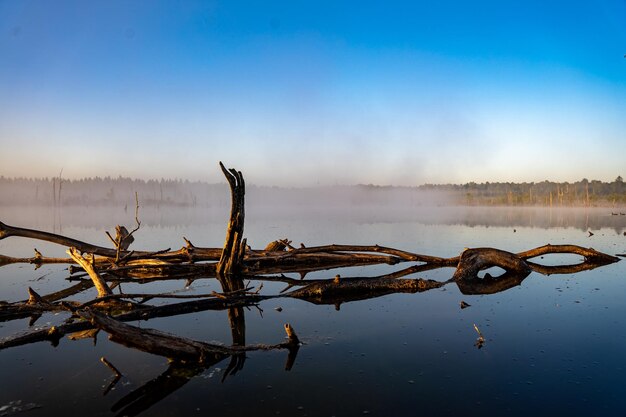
34,298
472,261
351,289
297,261
203,254
74,289
7,231
99,283
407,256
230,262
277,245
590,254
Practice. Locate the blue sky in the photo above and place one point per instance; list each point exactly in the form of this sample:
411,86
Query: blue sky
305,93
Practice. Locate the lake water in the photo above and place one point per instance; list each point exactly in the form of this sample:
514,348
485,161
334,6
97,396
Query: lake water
554,344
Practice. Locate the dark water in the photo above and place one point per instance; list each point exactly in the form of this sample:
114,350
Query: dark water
554,345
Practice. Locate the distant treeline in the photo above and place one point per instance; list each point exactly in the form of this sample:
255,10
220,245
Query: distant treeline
109,191
546,193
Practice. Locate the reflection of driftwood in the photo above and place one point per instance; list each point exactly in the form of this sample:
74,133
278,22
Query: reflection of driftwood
564,269
175,376
489,284
173,347
54,333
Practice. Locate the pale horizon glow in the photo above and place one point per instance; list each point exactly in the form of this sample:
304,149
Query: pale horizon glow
314,94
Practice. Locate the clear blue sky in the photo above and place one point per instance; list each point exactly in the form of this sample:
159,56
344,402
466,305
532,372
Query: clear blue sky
305,93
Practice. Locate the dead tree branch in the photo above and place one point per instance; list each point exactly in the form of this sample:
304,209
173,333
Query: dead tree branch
234,246
89,267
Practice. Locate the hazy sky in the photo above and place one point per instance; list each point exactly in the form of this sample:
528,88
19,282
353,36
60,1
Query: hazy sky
301,93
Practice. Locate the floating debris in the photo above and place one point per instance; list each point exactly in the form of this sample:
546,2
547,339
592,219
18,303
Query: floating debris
480,341
464,305
590,233
279,309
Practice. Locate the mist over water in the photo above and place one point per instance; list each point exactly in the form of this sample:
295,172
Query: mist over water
331,210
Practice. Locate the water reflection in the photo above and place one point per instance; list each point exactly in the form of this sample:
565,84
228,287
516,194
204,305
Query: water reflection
584,219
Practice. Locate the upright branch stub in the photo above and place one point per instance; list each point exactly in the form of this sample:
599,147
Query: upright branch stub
233,251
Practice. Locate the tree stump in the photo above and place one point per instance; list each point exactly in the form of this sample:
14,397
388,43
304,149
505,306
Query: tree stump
234,249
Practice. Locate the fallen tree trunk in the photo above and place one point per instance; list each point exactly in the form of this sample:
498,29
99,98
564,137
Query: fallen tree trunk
352,289
346,249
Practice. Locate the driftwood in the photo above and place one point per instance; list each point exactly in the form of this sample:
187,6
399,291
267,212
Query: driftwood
340,290
232,266
89,267
235,246
473,261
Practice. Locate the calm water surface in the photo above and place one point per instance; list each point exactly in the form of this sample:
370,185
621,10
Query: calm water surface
554,345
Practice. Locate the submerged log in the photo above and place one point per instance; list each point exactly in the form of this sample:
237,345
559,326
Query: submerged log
352,289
